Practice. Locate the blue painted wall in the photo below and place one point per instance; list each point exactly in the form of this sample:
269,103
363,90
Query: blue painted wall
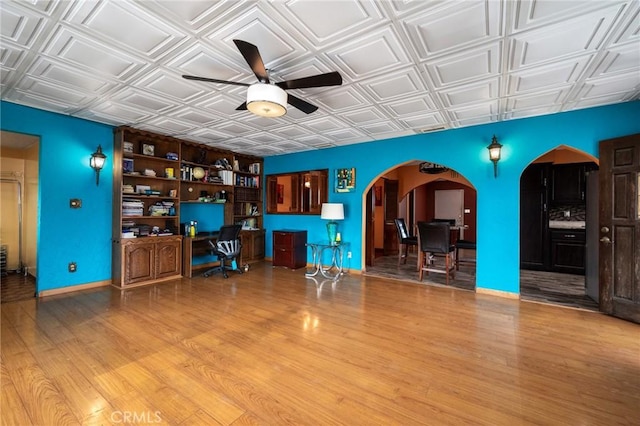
463,150
84,235
68,235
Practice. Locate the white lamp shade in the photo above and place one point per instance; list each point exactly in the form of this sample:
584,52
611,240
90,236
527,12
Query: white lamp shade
266,100
332,211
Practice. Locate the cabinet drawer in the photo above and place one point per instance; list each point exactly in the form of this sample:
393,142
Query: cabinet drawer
568,235
283,239
283,258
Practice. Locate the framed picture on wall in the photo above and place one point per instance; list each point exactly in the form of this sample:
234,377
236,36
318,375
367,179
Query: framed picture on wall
345,180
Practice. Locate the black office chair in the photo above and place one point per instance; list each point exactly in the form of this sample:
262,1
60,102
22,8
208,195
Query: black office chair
434,239
404,239
227,247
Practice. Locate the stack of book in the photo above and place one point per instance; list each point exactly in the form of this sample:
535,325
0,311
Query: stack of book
132,207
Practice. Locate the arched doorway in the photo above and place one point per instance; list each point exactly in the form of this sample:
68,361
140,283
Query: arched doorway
414,192
558,208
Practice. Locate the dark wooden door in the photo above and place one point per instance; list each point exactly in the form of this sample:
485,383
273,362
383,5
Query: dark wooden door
620,227
534,217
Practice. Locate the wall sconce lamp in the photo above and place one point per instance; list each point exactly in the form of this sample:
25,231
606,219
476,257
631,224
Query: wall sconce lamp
494,154
97,162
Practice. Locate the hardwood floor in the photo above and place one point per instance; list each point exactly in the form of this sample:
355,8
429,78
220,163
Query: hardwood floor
272,347
17,286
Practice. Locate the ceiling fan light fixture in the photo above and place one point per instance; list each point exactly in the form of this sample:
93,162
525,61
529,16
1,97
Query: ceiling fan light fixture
266,100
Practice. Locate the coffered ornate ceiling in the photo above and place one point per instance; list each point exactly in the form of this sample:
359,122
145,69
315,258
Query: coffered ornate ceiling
408,66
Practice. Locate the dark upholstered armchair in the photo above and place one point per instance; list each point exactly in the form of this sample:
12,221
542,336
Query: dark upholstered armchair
434,240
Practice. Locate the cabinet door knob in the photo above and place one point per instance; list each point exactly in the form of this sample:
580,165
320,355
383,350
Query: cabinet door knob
604,229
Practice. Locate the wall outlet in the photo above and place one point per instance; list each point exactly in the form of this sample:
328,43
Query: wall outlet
348,255
567,213
73,267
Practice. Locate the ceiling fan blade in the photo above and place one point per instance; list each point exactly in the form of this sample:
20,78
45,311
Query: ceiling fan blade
328,79
213,80
253,58
242,107
303,106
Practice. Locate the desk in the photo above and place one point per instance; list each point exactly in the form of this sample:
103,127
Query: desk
337,254
194,247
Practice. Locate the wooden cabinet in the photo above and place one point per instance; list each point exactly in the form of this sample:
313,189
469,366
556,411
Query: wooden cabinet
146,206
568,251
289,248
252,245
568,183
148,260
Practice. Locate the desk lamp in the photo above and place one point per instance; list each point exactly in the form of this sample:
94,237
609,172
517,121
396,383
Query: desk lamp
332,212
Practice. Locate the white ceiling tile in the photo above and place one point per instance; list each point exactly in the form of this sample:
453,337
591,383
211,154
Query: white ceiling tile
19,25
114,111
11,56
170,125
143,100
529,14
76,50
144,34
423,121
372,54
454,27
324,124
470,93
49,69
405,82
536,100
480,63
322,22
486,109
165,84
410,107
559,73
339,99
196,116
46,89
624,58
621,84
291,131
364,115
580,35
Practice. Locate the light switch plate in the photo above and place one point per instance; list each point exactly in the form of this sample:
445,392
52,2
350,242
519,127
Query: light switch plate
75,203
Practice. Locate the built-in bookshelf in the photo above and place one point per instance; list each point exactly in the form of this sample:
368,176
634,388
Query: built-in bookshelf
153,176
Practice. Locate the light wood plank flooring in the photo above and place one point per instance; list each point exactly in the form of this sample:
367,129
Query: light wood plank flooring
271,347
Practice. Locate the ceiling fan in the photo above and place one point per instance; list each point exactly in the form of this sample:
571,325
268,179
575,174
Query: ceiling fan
269,99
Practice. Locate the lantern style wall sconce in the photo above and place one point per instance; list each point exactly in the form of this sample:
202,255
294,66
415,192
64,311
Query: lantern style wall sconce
97,162
494,154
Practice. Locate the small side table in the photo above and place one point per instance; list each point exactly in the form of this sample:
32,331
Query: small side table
334,270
